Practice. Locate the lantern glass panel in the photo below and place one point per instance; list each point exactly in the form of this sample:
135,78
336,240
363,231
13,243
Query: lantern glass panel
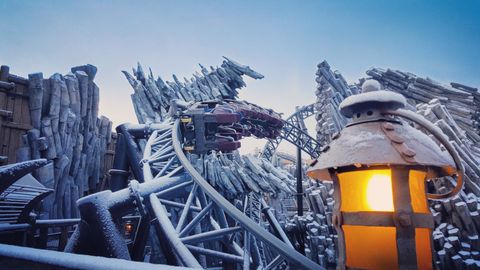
417,191
370,247
423,248
366,190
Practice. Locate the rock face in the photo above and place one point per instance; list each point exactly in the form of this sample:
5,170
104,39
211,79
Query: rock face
68,131
454,109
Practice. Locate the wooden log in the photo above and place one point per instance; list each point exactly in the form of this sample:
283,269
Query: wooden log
35,93
55,99
23,152
94,168
67,198
462,210
74,93
46,176
47,132
33,135
4,73
76,157
47,93
7,85
75,195
61,179
42,144
58,143
82,78
89,70
69,137
95,103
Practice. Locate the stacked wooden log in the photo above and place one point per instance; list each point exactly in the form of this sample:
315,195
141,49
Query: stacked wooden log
461,102
232,174
332,89
235,175
314,233
467,147
68,131
455,238
152,97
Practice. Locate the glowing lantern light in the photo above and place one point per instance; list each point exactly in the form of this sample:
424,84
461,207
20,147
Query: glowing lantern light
379,166
128,228
379,192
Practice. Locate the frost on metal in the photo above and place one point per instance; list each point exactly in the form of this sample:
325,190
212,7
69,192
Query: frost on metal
47,259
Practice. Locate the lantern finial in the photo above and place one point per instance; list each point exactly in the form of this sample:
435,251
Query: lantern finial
371,85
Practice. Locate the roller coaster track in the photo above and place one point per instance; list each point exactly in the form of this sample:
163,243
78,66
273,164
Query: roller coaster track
294,131
205,230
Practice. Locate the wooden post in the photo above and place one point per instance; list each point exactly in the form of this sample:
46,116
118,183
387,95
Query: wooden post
43,238
62,241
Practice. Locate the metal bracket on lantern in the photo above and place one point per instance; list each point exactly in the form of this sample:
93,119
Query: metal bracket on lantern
424,123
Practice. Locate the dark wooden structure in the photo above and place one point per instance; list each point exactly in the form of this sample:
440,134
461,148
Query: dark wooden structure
14,114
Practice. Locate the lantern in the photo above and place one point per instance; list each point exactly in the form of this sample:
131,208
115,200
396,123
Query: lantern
379,166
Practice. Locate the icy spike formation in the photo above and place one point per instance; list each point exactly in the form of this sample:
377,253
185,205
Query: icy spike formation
332,89
152,97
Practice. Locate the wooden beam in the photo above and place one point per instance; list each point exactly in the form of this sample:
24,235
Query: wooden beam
7,85
5,113
21,126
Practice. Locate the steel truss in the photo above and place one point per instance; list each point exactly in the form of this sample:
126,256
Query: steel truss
294,131
203,229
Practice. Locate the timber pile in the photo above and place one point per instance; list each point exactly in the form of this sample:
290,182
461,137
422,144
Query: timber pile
314,232
66,130
234,176
455,238
461,104
461,101
332,89
153,97
467,147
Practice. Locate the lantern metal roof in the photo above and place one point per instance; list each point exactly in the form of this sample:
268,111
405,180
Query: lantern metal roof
373,138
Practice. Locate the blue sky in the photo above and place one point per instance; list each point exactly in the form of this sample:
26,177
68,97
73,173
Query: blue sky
284,40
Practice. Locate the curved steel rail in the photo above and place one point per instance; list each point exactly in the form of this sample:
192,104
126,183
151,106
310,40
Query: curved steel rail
243,222
294,131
